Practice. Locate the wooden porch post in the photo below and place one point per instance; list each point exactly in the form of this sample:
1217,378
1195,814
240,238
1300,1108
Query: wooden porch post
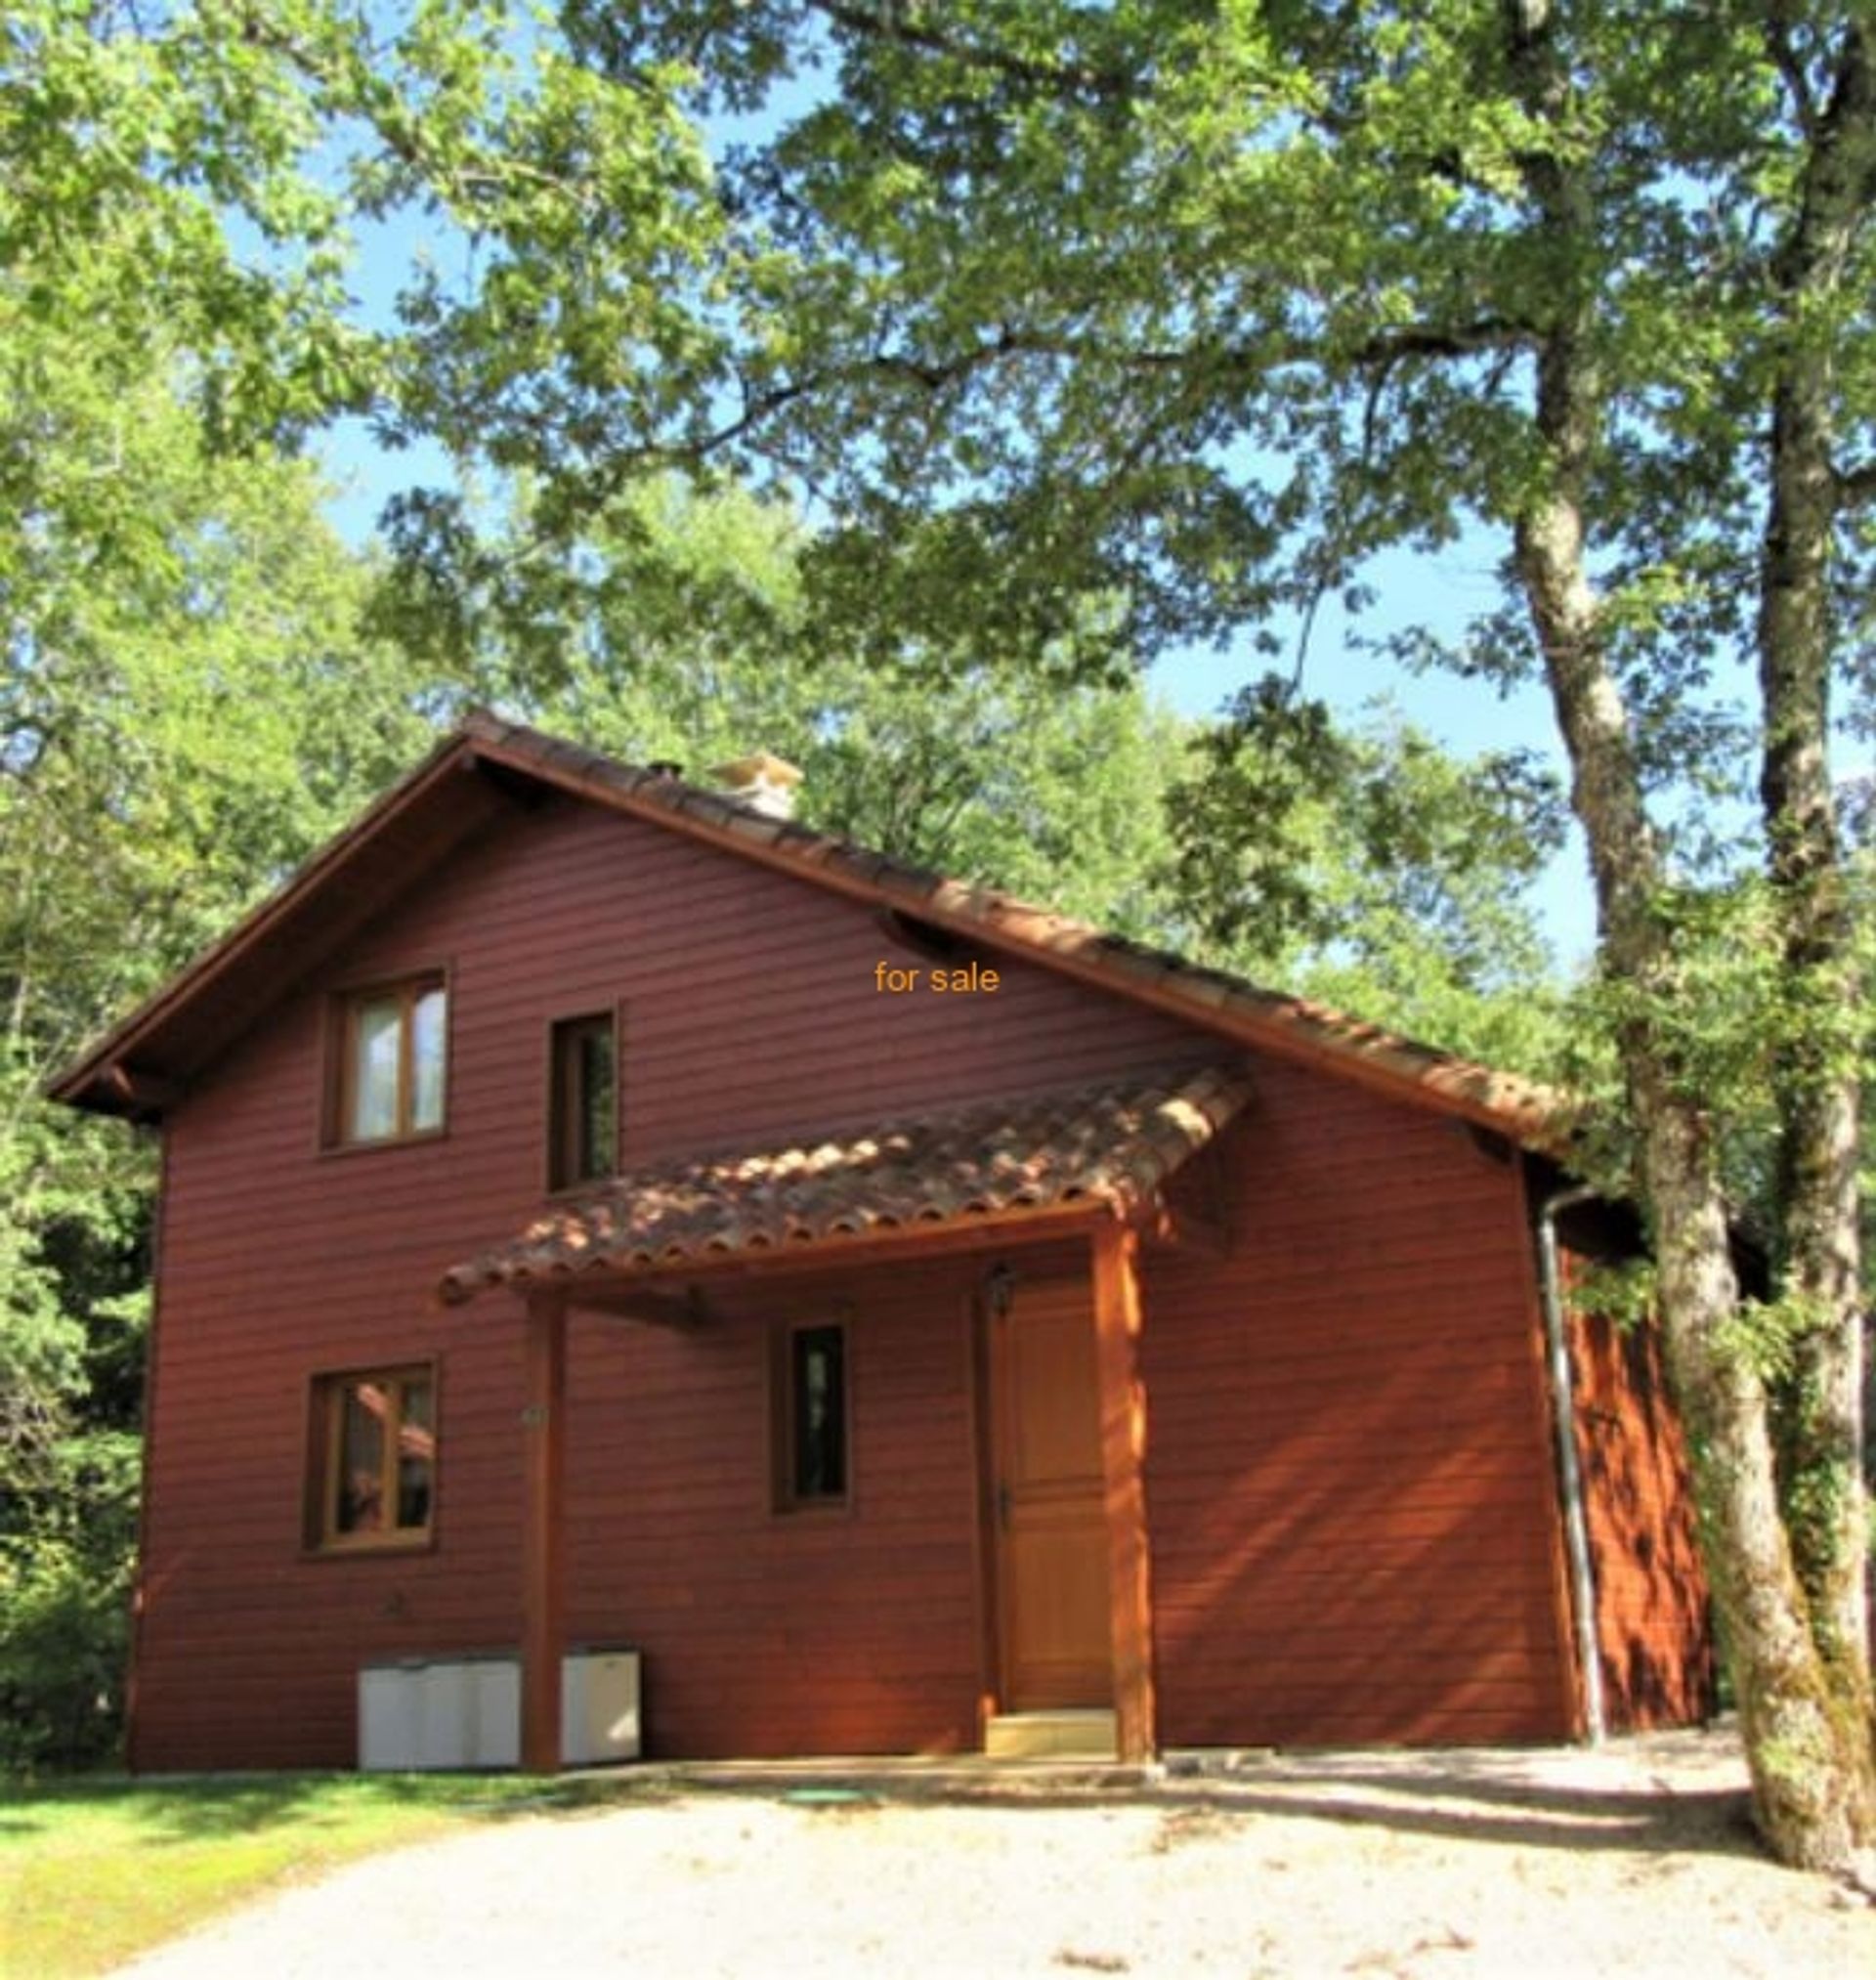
543,1607
1117,1328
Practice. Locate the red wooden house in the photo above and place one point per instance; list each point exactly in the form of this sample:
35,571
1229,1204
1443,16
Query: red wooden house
596,1210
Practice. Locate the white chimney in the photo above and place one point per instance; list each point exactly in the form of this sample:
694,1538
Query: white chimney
764,782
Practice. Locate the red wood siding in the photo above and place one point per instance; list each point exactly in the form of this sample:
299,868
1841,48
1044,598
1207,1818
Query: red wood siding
827,1630
1348,1475
749,1012
1348,1488
1650,1589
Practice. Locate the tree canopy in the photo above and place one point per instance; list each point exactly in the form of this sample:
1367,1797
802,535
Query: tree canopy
189,708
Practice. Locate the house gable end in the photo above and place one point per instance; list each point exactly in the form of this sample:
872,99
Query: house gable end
250,967
145,1063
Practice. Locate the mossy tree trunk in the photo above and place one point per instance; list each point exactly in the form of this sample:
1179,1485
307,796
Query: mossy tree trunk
1819,1407
1798,1672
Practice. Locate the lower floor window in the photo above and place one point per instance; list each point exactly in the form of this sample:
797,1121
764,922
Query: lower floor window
374,1458
810,1381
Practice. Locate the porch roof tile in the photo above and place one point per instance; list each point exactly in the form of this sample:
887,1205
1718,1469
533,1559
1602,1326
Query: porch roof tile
1100,1147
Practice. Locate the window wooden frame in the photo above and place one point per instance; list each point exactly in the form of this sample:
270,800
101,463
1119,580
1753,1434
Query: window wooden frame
324,1461
343,1059
564,1097
785,1499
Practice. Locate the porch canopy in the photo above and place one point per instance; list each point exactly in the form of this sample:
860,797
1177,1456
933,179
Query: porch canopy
1092,1160
1107,1147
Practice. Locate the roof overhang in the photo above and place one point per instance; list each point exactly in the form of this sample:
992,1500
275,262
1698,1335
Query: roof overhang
488,765
1025,1168
141,1066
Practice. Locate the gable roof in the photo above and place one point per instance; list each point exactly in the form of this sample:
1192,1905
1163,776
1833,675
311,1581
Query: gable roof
991,1163
144,1063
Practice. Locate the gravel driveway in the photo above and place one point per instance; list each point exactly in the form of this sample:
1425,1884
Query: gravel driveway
1633,1861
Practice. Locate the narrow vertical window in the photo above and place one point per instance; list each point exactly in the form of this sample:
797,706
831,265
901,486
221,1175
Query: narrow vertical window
583,1128
376,1047
426,1058
812,1418
392,1045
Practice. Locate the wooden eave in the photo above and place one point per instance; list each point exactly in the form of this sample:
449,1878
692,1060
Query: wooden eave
429,812
143,1065
1290,1028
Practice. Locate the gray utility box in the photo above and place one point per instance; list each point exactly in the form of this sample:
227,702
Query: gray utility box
424,1713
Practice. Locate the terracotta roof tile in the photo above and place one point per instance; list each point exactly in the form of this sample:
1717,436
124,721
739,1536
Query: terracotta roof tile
1109,1145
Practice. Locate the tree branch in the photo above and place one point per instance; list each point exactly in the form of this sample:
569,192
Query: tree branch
904,20
1384,349
1250,360
1854,485
1785,60
364,94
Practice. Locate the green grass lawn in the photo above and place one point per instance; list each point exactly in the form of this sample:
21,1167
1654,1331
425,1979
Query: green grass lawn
96,1869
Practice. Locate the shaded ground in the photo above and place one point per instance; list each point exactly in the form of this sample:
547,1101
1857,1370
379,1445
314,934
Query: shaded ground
1637,1859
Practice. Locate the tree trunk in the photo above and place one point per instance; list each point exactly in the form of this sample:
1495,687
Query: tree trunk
1821,1413
1810,1760
1808,1757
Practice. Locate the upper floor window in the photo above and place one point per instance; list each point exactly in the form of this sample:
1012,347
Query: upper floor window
374,1461
582,1105
391,1061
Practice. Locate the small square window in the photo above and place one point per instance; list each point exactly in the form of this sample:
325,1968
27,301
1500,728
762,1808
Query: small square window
582,1106
372,1465
390,1046
811,1420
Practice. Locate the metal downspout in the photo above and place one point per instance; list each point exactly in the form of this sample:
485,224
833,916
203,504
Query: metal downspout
1569,1473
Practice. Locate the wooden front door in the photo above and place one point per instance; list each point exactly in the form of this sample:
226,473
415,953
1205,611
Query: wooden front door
1051,1532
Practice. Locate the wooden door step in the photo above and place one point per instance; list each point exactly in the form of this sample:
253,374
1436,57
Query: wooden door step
1080,1734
